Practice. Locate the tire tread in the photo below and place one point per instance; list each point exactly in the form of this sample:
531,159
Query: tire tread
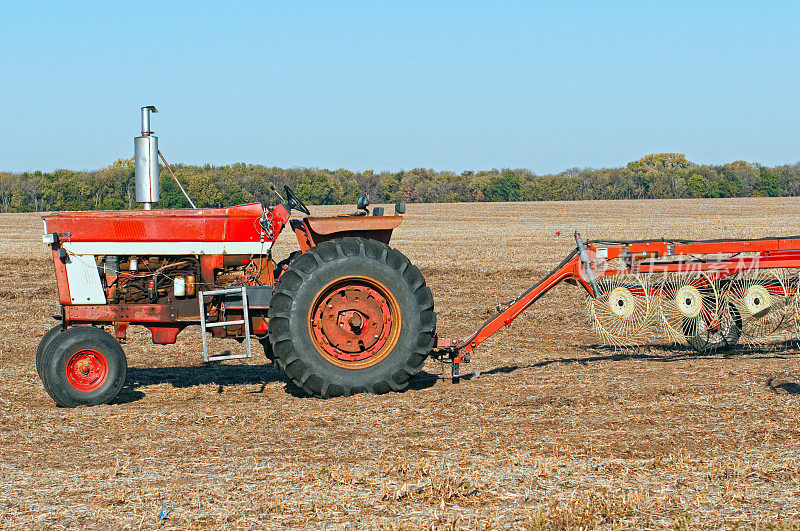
304,266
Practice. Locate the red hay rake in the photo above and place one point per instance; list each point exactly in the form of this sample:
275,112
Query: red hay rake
709,295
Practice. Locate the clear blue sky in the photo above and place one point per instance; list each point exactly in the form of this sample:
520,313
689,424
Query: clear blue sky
398,85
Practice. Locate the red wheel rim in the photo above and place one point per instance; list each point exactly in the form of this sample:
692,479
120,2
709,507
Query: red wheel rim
354,322
87,369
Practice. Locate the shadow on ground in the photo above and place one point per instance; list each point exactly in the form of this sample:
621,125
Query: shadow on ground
781,387
262,375
226,376
664,354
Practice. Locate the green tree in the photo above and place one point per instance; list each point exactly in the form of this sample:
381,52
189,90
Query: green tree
667,161
505,187
698,186
769,182
320,189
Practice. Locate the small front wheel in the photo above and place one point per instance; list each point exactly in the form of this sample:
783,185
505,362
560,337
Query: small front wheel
268,353
44,344
83,366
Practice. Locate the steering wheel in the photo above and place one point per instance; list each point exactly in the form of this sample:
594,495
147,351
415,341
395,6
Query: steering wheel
293,202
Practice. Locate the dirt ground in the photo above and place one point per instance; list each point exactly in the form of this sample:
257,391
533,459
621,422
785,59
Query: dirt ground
553,431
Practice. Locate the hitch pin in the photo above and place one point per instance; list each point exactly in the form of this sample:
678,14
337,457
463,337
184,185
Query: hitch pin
456,374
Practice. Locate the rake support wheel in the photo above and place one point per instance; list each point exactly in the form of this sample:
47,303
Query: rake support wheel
351,315
693,312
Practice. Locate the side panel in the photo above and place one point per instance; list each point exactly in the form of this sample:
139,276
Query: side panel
84,280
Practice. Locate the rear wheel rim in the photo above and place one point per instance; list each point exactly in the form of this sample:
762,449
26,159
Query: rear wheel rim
87,369
354,322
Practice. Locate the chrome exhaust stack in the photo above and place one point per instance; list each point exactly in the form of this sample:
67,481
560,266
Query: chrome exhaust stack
145,161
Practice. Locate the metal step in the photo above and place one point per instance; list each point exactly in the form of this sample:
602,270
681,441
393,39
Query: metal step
225,323
204,326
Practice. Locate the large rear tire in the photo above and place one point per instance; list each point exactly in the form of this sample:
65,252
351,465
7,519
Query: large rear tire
83,366
351,315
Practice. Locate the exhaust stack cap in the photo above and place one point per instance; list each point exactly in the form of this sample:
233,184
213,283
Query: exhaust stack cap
146,119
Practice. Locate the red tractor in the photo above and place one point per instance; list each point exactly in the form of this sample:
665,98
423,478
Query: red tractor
347,314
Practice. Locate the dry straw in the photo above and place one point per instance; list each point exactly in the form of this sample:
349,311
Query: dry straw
556,432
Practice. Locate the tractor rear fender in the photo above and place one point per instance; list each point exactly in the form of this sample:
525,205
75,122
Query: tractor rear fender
312,231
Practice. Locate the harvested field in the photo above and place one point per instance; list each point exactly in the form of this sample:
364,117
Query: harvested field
554,432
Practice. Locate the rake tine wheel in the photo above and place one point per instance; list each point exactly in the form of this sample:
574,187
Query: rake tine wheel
621,313
693,312
792,283
765,304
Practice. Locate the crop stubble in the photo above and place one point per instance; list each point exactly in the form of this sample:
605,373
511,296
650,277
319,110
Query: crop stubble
555,432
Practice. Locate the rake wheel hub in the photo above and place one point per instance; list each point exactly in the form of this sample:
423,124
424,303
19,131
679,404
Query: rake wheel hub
689,301
757,300
621,303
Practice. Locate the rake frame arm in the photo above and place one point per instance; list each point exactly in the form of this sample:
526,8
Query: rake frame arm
571,268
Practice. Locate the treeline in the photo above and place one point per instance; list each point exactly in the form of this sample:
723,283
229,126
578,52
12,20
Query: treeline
662,175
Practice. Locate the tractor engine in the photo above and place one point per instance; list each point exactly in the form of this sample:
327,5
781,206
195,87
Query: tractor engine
139,280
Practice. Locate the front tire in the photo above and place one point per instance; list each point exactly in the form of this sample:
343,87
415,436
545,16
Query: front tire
44,344
83,366
268,353
351,315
